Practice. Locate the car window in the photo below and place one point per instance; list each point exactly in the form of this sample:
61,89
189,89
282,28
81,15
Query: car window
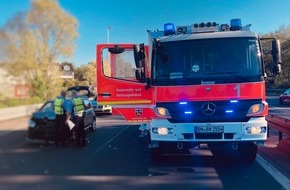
87,104
48,106
82,91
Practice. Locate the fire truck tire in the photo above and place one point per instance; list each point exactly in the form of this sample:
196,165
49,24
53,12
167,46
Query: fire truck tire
248,151
156,154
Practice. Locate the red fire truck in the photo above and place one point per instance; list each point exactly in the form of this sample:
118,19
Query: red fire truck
201,85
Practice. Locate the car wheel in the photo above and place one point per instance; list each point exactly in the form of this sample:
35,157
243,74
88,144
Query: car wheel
94,126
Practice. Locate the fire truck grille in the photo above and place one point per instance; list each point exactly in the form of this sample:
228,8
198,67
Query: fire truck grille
208,111
190,136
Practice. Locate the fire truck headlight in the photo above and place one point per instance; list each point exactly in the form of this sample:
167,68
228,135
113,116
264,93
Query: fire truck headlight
162,130
256,130
256,108
162,111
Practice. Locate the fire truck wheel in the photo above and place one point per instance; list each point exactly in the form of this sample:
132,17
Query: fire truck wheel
248,151
156,154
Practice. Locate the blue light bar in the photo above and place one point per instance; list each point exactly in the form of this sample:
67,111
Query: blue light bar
182,103
169,29
188,112
236,24
229,111
234,101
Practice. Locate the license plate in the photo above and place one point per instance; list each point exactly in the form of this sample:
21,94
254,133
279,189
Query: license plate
209,129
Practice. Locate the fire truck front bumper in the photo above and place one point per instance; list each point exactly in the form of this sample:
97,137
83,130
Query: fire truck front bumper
254,130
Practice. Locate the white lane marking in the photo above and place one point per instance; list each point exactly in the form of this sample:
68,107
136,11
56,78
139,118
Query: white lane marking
278,176
113,138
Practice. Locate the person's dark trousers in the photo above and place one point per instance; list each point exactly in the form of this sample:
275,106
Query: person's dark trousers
60,132
79,129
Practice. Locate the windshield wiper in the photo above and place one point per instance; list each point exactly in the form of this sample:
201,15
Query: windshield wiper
234,74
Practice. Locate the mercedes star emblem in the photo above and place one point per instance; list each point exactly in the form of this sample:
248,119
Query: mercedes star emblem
208,108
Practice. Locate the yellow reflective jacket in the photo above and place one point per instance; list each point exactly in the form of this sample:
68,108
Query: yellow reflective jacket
78,106
58,106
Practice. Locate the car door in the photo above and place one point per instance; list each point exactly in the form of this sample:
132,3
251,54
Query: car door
122,71
89,116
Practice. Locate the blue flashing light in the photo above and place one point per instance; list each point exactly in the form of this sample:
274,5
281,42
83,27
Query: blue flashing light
182,103
234,101
188,112
169,29
236,24
229,111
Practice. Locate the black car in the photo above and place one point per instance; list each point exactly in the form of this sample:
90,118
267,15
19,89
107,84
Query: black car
41,127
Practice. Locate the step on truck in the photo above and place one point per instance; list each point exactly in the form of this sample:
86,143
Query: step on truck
193,85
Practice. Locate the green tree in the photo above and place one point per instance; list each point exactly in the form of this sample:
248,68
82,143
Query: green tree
86,74
283,34
32,42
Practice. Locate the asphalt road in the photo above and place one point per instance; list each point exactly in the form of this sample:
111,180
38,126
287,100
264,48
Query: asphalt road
117,158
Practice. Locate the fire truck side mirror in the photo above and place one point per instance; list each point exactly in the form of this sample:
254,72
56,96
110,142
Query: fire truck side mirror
276,54
139,56
116,50
148,83
139,74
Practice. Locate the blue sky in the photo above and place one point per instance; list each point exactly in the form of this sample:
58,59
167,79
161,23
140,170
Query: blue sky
130,19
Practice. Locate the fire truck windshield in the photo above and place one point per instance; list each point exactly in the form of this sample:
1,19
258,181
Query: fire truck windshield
224,60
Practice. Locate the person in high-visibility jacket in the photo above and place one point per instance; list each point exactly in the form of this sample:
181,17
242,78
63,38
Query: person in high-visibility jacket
78,112
61,115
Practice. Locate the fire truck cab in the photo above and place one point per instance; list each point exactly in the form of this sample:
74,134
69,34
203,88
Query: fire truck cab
191,85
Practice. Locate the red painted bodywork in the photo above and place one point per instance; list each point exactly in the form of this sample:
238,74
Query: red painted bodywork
129,97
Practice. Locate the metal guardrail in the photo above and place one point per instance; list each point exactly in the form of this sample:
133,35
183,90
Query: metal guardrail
275,91
282,125
18,111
